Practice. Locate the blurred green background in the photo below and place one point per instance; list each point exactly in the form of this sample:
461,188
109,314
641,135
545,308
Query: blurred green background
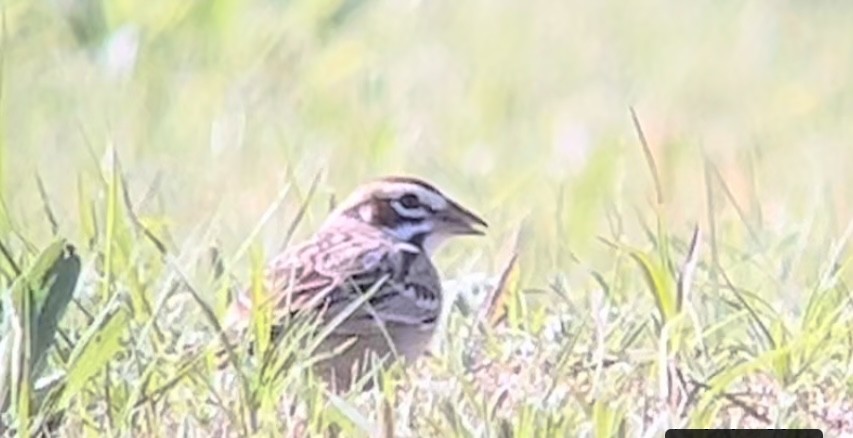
219,110
519,109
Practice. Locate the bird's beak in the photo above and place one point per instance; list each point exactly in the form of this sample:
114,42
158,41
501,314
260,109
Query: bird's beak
458,220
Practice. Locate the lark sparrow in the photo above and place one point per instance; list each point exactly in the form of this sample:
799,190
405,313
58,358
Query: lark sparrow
379,239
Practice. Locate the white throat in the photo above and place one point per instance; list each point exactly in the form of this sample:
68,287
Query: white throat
433,241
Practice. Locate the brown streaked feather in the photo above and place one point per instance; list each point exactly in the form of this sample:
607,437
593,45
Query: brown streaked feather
335,264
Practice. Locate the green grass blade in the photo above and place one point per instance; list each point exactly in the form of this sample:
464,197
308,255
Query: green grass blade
27,339
99,344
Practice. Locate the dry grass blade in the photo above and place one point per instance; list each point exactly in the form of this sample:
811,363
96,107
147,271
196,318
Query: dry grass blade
134,219
303,208
753,313
88,215
688,269
496,307
495,310
6,221
735,204
829,276
149,194
712,224
7,255
647,152
215,261
268,214
45,203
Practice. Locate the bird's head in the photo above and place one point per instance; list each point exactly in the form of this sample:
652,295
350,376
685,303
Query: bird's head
411,210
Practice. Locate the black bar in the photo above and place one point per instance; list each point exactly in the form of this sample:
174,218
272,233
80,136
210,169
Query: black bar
744,433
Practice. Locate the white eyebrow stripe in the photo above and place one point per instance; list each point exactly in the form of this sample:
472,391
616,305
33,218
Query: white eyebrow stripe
425,196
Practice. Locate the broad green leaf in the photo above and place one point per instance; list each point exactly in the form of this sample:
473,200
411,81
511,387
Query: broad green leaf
62,281
660,285
100,343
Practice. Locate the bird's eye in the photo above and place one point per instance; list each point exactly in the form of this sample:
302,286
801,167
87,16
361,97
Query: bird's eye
409,201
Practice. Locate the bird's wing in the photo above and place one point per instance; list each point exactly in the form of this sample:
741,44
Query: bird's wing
330,267
325,271
413,298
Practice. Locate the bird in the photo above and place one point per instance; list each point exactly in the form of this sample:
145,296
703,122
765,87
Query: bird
376,246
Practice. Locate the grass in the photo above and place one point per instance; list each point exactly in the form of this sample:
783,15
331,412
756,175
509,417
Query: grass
666,188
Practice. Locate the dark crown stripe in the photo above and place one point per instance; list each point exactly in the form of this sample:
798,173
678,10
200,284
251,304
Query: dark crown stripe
409,180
